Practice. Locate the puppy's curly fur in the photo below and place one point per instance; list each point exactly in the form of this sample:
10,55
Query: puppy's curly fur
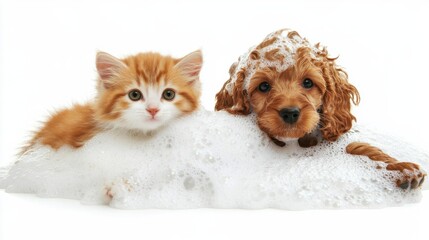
295,89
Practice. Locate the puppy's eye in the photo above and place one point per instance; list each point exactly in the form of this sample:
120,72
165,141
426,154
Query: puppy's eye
307,83
168,94
135,95
264,87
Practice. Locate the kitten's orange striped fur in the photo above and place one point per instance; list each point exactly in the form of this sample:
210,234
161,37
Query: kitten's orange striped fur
138,93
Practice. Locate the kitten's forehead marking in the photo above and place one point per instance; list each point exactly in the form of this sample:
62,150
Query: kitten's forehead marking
158,77
161,76
143,75
151,74
139,80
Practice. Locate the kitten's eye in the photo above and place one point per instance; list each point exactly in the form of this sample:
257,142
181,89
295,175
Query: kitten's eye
168,94
135,95
307,83
264,87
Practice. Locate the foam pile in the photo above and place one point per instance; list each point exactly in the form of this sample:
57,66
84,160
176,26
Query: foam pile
213,159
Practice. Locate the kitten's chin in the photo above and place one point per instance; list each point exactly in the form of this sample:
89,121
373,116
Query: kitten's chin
151,125
144,127
147,126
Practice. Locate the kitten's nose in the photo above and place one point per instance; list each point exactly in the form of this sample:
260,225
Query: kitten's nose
152,111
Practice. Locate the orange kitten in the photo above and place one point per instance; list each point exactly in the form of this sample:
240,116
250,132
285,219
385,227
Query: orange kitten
139,93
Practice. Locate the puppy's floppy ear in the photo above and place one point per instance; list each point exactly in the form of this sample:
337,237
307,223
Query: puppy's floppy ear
336,117
233,97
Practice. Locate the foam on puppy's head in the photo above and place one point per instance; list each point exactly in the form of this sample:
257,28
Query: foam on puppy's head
276,51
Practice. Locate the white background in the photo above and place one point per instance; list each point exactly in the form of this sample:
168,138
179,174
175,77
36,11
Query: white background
47,51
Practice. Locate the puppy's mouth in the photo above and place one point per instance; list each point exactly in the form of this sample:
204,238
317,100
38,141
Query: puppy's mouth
290,133
288,123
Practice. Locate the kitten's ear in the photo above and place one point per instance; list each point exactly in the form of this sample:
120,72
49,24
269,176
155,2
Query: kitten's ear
190,65
108,66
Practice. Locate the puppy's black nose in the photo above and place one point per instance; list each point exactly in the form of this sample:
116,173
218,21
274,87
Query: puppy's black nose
290,115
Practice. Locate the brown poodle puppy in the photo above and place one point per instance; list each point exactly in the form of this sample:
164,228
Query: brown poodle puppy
296,91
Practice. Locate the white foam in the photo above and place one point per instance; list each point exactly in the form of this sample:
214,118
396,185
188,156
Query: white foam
213,159
286,46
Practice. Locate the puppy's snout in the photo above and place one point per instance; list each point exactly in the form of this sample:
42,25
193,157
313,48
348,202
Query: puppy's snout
289,115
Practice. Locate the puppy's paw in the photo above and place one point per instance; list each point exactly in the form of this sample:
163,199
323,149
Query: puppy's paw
410,177
307,141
